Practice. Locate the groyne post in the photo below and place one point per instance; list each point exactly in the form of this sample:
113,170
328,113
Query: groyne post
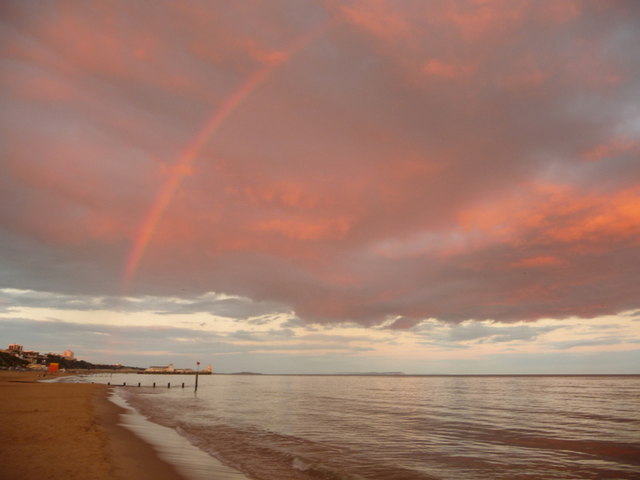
197,369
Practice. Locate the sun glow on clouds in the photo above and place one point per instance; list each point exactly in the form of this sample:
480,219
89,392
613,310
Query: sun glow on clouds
387,171
123,333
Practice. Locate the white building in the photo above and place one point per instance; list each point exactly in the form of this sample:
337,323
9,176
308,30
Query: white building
168,369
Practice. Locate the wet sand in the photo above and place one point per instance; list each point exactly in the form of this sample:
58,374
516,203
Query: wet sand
69,430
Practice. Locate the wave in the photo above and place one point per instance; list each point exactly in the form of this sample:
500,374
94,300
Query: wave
267,455
307,428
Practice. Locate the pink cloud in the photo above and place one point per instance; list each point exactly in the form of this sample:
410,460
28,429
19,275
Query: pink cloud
478,19
444,70
442,159
379,17
613,148
542,262
323,228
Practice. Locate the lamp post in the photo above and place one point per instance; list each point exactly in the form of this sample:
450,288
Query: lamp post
197,370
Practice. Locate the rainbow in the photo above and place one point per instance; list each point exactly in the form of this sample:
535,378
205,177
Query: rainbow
185,160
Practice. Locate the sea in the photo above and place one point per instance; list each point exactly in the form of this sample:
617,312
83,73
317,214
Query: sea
398,427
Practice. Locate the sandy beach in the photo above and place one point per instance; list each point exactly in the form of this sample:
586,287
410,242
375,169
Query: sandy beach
68,430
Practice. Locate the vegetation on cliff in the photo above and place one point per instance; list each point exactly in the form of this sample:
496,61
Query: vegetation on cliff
9,361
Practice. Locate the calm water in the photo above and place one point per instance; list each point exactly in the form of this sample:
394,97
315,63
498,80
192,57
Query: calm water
405,428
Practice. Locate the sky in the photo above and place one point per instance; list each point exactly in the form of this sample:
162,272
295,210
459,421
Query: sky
323,186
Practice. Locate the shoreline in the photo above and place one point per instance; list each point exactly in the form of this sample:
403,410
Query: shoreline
52,430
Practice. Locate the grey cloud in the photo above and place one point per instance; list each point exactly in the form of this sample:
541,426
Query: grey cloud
134,346
593,342
444,344
338,338
495,334
403,323
272,334
309,347
610,326
238,308
266,319
132,343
